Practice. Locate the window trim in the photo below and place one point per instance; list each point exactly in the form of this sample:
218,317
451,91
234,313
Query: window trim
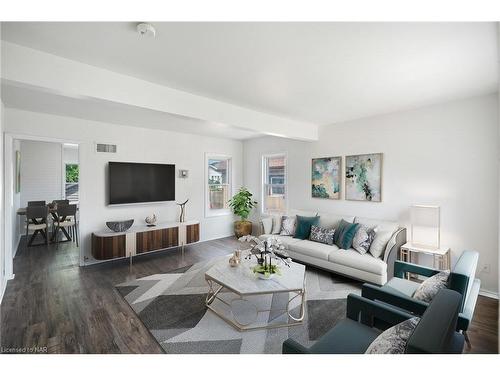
263,180
210,212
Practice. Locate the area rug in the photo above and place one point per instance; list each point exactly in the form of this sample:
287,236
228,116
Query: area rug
172,307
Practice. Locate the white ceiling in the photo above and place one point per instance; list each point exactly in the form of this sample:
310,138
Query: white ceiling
37,100
316,72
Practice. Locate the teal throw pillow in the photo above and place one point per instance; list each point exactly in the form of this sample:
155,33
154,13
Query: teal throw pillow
338,231
348,231
303,228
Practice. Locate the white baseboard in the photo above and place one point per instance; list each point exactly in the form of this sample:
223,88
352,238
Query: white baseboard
4,287
488,293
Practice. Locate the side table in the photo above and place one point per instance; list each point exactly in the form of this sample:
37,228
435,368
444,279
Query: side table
441,257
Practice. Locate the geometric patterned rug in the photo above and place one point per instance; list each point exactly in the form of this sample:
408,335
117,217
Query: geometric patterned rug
172,307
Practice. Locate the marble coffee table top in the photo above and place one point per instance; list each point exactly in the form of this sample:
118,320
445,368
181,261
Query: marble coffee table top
242,280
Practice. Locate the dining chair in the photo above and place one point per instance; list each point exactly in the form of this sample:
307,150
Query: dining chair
36,203
60,201
65,218
36,220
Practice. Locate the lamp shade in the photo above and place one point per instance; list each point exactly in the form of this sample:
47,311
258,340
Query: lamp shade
425,216
425,225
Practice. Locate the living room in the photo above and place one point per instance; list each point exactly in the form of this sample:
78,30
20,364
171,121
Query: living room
245,187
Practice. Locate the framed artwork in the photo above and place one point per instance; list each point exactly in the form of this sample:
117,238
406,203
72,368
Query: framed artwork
363,177
326,177
18,171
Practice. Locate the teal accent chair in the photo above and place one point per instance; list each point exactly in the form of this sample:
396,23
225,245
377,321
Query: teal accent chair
398,291
434,334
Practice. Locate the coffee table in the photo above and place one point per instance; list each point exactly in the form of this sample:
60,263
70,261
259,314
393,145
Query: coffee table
240,298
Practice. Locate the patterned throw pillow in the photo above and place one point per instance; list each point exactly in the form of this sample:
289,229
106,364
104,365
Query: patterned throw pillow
363,239
322,235
395,339
288,225
430,287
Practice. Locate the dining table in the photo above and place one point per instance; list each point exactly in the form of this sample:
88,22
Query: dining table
53,213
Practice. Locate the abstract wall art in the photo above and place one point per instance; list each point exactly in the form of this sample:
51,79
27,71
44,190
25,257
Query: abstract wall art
363,177
326,177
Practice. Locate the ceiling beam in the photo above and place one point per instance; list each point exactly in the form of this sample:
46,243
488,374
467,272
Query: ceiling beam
30,67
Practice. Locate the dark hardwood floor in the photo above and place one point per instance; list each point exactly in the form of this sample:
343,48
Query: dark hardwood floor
54,303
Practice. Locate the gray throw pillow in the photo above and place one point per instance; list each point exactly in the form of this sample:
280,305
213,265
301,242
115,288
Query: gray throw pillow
395,339
288,225
363,239
322,235
430,287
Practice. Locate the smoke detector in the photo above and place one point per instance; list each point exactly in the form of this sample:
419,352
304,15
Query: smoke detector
146,29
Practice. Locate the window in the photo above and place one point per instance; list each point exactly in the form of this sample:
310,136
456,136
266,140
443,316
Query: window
71,182
274,183
218,185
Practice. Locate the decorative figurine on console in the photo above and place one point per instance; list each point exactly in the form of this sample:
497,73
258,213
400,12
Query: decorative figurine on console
151,220
182,216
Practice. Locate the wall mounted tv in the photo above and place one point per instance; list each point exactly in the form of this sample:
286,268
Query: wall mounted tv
141,182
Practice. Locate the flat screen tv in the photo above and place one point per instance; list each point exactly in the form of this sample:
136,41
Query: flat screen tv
141,182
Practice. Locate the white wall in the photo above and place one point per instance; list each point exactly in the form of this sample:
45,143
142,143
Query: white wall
41,171
186,151
444,154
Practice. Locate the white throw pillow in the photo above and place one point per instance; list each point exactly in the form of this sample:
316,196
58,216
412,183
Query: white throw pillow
267,224
395,339
379,243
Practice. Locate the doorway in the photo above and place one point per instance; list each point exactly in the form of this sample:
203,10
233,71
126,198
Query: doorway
39,169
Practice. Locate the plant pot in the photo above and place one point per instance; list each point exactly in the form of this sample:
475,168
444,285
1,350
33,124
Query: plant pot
242,228
264,277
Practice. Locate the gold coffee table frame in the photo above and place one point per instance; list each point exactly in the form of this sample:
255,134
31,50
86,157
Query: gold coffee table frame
215,287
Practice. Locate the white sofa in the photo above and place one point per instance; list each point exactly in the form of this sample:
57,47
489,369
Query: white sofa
346,262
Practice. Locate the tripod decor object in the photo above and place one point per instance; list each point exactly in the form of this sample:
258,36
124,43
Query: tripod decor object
182,216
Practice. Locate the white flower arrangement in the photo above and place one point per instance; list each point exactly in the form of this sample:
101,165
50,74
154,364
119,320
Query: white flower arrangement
265,251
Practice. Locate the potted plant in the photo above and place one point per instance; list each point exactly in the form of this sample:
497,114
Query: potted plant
241,204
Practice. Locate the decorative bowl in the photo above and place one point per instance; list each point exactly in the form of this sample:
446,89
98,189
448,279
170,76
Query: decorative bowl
120,226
